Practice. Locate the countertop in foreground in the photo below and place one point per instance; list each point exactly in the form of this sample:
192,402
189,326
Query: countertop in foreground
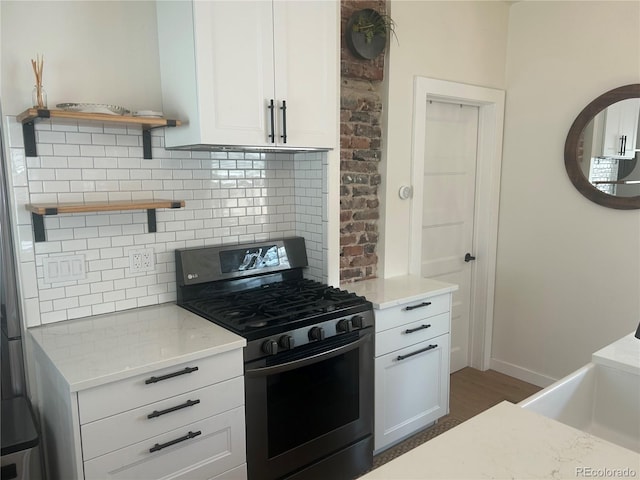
96,350
508,442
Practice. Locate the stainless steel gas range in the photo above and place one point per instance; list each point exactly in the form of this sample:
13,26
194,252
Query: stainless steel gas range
308,359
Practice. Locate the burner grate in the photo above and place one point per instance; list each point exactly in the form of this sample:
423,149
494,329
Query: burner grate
273,304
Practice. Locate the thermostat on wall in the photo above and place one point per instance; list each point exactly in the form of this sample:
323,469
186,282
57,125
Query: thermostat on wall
405,192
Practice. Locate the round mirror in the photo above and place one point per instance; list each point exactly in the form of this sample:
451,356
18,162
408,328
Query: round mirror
603,147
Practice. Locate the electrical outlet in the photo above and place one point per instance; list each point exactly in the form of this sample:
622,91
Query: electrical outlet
142,260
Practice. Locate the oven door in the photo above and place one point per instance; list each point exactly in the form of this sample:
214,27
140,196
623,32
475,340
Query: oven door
310,410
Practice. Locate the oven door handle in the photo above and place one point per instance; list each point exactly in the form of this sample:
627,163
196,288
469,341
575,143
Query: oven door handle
284,367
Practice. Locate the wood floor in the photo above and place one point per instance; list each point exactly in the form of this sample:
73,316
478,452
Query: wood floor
473,391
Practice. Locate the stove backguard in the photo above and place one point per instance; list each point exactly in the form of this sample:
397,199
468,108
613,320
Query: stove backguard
209,264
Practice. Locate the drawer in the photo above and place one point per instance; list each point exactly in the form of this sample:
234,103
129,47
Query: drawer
412,311
217,448
411,333
111,433
117,397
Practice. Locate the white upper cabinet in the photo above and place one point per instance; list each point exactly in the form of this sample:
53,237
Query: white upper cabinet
621,128
250,73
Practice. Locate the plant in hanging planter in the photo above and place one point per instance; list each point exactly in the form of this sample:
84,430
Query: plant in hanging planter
367,32
371,23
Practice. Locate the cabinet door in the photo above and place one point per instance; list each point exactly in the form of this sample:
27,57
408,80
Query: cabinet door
216,62
306,70
411,392
234,55
621,128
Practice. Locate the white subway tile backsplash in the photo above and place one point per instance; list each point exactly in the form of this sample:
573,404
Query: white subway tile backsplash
55,316
78,138
62,150
230,197
90,128
106,307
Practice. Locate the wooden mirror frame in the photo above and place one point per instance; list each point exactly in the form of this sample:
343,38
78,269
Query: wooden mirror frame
571,149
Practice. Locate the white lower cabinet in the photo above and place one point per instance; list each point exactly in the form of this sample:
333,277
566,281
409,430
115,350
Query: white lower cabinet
183,421
411,368
193,428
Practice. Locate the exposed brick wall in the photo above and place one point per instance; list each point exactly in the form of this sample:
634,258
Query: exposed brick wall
360,148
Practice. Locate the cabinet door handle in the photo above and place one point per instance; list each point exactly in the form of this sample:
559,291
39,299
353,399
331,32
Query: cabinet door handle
426,349
272,135
421,327
188,436
624,144
284,121
188,403
170,375
413,307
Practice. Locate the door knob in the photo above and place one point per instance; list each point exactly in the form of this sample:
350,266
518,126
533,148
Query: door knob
468,257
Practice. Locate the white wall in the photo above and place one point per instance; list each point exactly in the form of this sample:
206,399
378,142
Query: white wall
568,279
459,41
568,273
94,52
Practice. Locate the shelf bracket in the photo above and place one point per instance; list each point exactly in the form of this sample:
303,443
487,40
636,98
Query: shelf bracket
146,139
29,133
146,144
151,216
151,220
39,233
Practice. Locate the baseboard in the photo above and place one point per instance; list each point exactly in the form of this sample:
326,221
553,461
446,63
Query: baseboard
521,373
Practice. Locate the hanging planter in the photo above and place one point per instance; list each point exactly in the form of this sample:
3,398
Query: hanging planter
367,32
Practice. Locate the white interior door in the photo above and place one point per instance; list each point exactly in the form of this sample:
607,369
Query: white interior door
490,110
448,200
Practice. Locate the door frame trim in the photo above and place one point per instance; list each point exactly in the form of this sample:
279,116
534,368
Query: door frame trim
490,102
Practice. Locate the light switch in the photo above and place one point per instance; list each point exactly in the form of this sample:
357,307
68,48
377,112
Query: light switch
64,269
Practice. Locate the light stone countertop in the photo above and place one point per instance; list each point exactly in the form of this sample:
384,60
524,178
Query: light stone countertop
623,354
509,442
96,350
389,292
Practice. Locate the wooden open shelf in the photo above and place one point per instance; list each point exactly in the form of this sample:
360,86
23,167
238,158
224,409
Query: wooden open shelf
38,210
28,117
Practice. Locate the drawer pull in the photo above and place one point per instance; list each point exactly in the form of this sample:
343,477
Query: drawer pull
170,375
188,403
188,436
413,307
421,327
402,357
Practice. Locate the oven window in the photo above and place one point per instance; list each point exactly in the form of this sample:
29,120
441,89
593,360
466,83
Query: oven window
307,402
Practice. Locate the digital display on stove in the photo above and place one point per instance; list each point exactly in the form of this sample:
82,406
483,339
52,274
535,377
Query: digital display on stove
249,259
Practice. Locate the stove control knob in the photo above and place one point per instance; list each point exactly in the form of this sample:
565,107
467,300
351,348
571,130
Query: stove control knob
316,333
287,342
344,325
270,347
357,321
